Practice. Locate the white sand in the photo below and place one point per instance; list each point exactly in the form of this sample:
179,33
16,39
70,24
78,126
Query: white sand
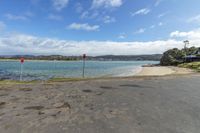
161,71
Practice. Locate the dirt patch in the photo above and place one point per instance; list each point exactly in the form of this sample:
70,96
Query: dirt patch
2,114
25,89
99,93
87,91
107,87
129,85
34,107
2,104
40,113
90,106
65,105
1,95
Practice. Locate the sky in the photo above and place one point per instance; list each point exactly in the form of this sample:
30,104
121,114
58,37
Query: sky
97,27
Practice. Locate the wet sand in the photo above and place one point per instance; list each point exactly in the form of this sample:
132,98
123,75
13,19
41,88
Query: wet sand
169,104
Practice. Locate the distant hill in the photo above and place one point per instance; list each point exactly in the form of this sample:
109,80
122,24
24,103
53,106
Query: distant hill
154,57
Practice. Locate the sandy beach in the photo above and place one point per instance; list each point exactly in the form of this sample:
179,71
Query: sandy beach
168,104
163,70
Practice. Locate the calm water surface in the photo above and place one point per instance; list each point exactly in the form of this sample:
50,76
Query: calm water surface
42,70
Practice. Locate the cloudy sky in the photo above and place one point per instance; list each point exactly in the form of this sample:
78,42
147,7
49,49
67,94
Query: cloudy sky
97,27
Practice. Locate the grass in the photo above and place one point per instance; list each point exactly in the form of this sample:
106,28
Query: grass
192,65
9,82
66,79
13,82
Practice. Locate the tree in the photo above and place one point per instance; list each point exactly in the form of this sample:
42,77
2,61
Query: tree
172,57
176,56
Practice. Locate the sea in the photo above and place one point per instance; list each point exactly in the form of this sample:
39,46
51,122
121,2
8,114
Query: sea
44,70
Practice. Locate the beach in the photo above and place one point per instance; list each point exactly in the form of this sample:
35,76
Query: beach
163,70
167,104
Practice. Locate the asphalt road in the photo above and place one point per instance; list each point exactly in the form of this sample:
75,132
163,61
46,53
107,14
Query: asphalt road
151,105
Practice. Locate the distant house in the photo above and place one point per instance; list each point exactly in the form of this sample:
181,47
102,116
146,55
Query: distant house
194,57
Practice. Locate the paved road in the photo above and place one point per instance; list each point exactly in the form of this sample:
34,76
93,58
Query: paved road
153,105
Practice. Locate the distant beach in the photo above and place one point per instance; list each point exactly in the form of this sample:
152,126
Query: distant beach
163,70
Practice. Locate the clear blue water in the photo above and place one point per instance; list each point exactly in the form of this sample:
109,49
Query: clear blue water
42,70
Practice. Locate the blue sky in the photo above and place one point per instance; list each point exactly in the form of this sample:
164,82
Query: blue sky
80,26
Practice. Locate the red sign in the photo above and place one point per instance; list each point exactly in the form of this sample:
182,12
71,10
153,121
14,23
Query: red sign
84,56
22,60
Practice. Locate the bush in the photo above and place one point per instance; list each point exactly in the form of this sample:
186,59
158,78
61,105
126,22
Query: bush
173,57
193,65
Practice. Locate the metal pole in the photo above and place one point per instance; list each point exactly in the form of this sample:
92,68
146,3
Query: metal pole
185,47
83,68
185,52
21,71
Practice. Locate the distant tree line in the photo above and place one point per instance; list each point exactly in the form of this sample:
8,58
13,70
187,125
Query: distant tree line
154,57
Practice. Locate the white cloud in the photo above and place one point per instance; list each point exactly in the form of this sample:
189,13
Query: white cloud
55,17
24,16
157,3
160,24
191,35
85,26
143,11
108,19
106,3
27,44
195,19
60,4
139,31
152,26
85,14
162,14
122,36
2,25
89,15
15,17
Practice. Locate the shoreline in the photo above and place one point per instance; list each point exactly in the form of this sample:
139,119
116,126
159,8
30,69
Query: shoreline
142,75
142,71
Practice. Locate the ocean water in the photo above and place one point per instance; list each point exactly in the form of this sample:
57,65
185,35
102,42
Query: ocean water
43,70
